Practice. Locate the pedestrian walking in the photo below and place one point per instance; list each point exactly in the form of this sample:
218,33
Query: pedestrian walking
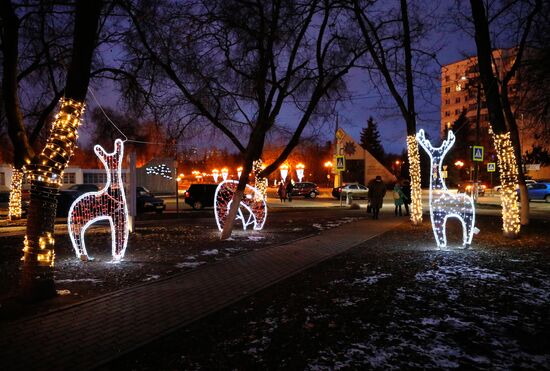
289,188
281,191
406,188
398,199
377,191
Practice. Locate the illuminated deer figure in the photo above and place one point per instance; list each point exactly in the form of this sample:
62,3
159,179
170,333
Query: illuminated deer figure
108,203
253,203
443,204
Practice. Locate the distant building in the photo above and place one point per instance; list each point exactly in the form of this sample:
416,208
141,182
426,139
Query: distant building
460,84
361,166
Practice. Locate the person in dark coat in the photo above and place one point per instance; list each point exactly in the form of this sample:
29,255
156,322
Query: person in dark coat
281,191
406,189
377,191
289,188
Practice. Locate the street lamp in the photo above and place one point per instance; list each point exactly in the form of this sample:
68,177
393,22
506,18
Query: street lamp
300,171
284,171
225,172
459,164
328,165
239,171
215,175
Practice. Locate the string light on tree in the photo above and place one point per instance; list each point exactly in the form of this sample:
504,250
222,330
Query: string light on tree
108,204
508,179
161,170
252,208
443,204
215,175
300,171
260,183
47,172
14,208
416,191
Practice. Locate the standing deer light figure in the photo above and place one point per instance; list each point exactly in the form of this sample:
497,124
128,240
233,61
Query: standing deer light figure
108,203
443,204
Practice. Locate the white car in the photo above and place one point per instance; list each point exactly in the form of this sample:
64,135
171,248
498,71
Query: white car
355,190
527,182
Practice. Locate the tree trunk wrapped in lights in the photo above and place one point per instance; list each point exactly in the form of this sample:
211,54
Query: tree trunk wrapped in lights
508,179
414,172
46,175
14,209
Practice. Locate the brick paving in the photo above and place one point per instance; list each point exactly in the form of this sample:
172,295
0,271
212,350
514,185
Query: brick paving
93,332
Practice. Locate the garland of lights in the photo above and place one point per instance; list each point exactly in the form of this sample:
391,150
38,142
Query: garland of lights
443,204
509,179
46,176
414,170
161,170
14,209
260,183
253,203
106,204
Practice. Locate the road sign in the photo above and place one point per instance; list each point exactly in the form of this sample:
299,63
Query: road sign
477,153
491,167
340,134
444,174
340,163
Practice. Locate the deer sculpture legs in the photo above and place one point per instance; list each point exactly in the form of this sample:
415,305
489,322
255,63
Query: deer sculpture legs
443,204
107,204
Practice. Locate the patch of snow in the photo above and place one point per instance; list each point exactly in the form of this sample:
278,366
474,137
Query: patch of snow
151,277
91,280
210,252
318,226
446,273
370,280
233,249
256,238
191,257
189,264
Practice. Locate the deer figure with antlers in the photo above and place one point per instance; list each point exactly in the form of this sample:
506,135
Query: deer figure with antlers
108,203
443,204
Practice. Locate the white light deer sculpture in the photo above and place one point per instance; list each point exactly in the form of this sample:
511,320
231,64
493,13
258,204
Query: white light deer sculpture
443,204
108,203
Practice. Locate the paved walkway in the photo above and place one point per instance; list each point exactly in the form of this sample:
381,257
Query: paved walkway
93,332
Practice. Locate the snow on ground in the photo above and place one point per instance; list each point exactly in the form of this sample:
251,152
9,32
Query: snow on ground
189,264
90,280
210,252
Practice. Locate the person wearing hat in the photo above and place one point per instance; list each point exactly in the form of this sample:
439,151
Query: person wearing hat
377,191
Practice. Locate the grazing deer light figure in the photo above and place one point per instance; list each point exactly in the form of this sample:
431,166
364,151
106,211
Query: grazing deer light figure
443,204
253,203
107,204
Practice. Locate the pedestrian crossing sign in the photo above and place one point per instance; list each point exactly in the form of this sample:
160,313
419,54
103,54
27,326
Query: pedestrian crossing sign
477,153
491,167
340,163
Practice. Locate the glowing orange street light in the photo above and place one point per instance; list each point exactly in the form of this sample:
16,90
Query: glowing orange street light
459,164
328,164
300,171
225,172
239,171
215,175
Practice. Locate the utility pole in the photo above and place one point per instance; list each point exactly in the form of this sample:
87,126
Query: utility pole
476,163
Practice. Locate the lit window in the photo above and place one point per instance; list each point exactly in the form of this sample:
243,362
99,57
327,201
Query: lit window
458,87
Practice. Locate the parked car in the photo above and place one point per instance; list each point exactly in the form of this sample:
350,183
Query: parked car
355,190
145,201
305,189
538,191
469,187
66,197
200,195
498,188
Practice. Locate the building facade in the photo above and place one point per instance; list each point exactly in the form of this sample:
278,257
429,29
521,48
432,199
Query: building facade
462,102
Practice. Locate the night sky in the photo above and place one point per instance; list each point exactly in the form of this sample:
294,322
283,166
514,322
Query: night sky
368,100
